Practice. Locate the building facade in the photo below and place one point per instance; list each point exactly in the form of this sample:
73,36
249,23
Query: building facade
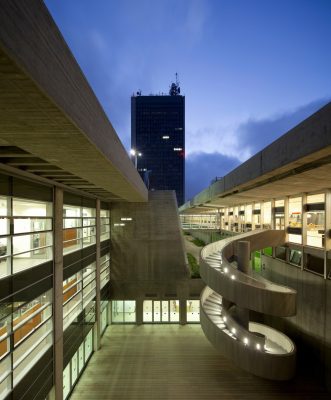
279,202
82,242
158,133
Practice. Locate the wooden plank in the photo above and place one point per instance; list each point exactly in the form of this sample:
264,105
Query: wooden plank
170,362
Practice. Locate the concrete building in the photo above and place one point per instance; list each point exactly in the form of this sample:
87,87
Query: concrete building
82,248
158,133
66,182
279,203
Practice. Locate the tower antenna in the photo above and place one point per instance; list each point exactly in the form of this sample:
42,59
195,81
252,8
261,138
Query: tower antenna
174,87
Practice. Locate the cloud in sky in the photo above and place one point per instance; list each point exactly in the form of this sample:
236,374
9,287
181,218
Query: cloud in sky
238,66
255,134
201,168
234,146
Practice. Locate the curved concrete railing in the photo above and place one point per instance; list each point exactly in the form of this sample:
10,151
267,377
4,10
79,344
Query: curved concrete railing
256,348
258,295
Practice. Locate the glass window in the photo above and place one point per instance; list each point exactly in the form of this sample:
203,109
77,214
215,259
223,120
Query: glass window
165,311
174,310
66,381
81,362
267,251
295,257
130,311
257,215
117,312
74,368
193,311
78,227
104,319
279,215
5,331
295,220
32,333
267,215
31,242
280,253
256,261
104,225
156,311
104,270
5,375
315,264
315,220
88,345
123,311
148,311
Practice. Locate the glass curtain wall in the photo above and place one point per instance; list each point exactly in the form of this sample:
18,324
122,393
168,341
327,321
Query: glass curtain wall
161,311
26,237
315,217
78,292
104,224
76,365
279,216
295,220
123,311
193,311
78,227
104,270
25,335
256,218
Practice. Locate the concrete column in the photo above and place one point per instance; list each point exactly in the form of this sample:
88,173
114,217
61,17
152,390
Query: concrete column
109,312
272,221
57,391
139,310
304,219
182,312
97,325
286,216
261,214
327,236
243,255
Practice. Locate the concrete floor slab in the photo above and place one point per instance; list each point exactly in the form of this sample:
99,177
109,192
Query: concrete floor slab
170,362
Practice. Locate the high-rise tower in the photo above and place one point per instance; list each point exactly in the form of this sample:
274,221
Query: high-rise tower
158,133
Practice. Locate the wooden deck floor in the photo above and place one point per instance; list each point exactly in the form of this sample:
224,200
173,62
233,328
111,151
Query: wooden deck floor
170,362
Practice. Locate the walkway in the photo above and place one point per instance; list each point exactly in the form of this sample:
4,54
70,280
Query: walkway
172,362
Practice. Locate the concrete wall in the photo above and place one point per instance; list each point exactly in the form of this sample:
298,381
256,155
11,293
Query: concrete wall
209,236
148,256
311,327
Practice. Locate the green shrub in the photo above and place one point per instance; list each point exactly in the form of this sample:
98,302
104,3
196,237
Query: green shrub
198,242
194,266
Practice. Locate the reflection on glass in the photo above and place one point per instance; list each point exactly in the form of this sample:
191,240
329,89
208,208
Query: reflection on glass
295,257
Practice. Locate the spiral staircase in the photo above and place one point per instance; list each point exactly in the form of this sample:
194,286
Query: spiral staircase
233,289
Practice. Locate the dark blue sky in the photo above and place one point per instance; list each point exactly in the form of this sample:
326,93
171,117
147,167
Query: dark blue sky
250,69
